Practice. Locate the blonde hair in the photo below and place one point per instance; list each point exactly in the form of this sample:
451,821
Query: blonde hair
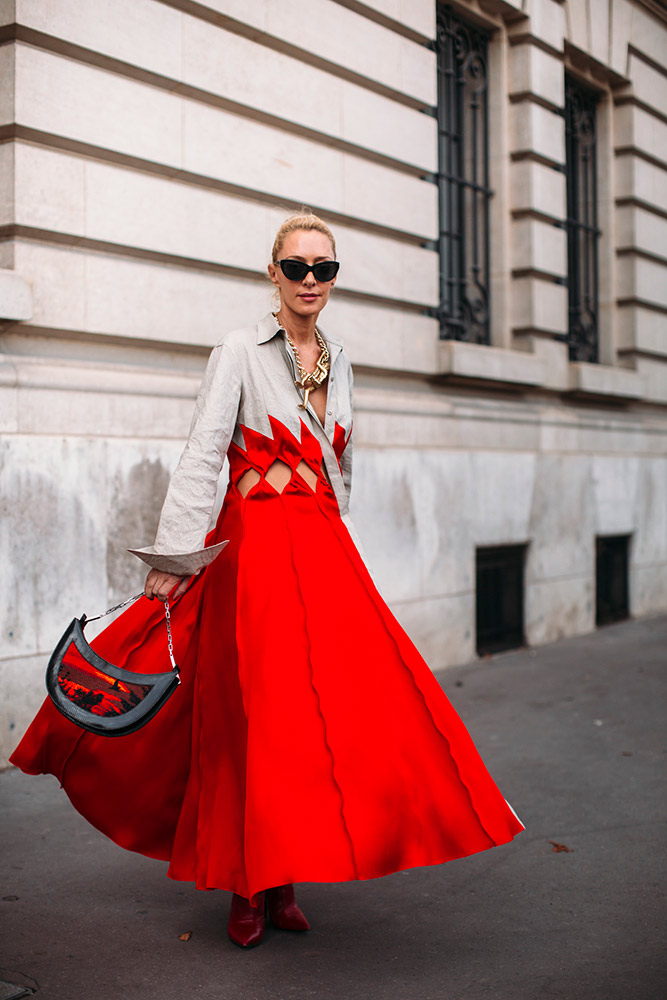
303,220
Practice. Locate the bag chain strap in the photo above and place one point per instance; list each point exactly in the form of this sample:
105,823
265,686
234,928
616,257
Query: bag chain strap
116,607
167,618
170,644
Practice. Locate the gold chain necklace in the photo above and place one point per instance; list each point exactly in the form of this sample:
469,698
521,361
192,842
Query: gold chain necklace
308,381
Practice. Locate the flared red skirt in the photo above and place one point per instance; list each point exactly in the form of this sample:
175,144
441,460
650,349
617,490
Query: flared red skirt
309,740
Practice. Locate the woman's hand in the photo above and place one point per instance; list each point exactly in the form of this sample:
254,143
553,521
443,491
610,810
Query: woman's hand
161,585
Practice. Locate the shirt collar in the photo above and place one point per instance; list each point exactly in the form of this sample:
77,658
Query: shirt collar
269,326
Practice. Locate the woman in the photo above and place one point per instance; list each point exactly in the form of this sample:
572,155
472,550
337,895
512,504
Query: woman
309,741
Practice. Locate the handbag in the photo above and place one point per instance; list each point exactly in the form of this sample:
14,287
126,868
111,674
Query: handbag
99,696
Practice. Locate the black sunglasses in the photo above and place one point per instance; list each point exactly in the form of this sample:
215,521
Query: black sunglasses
296,270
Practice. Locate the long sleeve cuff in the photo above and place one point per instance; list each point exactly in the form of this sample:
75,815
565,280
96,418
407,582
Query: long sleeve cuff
179,563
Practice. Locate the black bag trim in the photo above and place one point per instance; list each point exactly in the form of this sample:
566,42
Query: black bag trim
162,687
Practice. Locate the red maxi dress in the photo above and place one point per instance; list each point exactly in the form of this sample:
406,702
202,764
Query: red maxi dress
309,741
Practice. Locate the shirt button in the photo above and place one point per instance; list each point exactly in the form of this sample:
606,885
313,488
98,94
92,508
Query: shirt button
329,412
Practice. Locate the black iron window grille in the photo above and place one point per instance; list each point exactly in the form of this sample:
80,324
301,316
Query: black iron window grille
582,223
463,179
499,597
612,602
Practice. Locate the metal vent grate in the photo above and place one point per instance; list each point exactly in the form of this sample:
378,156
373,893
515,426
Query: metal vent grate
499,583
611,579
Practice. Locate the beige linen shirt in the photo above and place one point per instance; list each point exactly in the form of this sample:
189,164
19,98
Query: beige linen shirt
250,376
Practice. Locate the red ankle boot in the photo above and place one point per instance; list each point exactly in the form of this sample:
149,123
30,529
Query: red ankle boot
283,910
246,922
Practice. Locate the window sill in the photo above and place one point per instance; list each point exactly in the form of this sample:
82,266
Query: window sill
586,379
459,361
456,359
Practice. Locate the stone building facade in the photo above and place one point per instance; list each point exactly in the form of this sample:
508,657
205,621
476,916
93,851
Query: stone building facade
148,151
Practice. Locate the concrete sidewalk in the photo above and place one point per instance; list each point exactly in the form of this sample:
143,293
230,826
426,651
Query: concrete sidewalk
573,733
